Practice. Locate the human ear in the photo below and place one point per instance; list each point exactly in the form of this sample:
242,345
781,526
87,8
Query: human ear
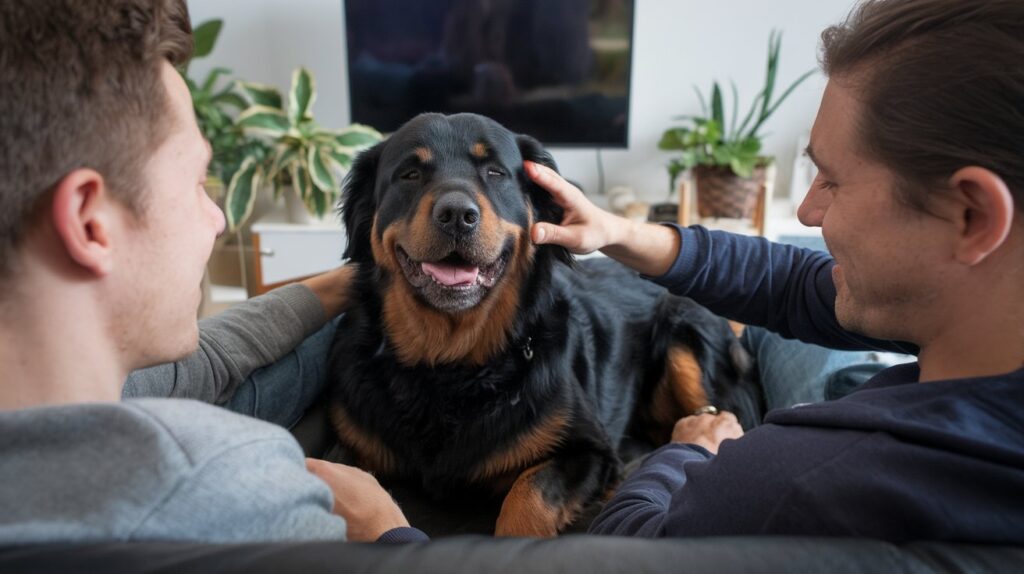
984,215
81,217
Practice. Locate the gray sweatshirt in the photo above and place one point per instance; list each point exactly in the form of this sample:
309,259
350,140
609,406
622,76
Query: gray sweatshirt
172,468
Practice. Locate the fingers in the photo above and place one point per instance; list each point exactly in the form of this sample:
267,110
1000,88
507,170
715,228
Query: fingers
323,468
707,430
548,233
564,193
691,420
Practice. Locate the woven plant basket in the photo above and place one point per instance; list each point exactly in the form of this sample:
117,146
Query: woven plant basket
722,193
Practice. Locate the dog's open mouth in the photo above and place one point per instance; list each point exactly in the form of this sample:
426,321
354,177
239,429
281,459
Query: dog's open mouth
453,283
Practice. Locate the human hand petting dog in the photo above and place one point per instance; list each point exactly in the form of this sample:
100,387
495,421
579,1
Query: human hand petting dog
358,498
585,227
707,430
333,288
645,247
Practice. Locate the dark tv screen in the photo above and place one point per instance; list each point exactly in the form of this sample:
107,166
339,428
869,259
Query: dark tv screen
558,70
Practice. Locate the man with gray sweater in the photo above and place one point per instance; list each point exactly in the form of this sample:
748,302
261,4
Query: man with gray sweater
105,229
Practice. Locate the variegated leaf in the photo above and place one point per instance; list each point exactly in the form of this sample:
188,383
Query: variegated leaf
357,136
284,156
300,180
241,194
317,203
262,95
264,120
302,96
342,158
320,171
335,165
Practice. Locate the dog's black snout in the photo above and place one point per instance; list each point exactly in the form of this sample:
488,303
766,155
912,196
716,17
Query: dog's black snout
456,213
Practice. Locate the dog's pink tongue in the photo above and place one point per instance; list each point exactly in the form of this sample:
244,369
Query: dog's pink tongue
451,275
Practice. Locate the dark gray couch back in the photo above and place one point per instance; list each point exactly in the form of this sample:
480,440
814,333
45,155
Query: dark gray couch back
590,554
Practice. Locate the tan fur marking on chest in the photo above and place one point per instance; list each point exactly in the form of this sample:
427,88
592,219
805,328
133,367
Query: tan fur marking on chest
529,447
371,452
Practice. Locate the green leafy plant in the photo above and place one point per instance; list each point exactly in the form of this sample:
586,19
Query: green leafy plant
301,155
712,139
216,105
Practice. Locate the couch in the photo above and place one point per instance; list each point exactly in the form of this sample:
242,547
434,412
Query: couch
455,551
576,553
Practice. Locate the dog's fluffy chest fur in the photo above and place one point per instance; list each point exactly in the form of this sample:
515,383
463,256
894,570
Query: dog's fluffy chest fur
432,417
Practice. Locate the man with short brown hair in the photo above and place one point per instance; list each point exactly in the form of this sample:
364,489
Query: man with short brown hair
920,198
105,229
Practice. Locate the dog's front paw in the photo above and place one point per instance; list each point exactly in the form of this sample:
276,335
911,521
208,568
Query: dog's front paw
528,511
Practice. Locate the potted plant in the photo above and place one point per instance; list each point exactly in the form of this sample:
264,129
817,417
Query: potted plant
299,159
217,102
216,105
724,154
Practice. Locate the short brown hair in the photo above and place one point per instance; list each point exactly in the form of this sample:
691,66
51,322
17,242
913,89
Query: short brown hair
80,86
942,88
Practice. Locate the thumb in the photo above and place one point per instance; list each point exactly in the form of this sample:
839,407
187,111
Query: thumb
548,233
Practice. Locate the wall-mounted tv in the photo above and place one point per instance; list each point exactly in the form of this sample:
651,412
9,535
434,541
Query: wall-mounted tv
558,70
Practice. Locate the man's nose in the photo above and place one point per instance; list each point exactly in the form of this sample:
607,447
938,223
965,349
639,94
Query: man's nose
814,206
216,217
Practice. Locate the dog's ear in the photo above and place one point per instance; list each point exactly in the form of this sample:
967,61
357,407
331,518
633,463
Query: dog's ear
544,206
358,204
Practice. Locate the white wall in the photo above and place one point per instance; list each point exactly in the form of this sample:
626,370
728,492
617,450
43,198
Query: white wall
678,43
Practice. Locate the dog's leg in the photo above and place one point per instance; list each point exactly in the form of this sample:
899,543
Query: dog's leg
529,511
679,393
549,496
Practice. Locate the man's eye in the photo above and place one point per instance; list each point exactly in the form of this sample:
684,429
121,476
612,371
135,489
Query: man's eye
495,172
411,175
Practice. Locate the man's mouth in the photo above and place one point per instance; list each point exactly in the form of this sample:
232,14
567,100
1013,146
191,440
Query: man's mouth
453,283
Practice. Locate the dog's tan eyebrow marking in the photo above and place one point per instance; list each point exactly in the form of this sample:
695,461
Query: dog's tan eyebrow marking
480,150
424,154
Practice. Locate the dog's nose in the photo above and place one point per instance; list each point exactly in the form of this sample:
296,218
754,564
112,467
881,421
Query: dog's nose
456,214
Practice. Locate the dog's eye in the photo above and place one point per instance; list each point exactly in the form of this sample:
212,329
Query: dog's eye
495,172
411,175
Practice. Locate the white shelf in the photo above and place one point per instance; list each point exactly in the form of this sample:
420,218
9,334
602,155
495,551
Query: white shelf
276,222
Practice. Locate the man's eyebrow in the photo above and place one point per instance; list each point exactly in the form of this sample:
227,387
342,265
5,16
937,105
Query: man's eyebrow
814,159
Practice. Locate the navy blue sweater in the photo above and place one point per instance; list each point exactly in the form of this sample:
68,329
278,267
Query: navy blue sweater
895,460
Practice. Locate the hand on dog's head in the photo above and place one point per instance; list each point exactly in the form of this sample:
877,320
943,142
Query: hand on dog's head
544,206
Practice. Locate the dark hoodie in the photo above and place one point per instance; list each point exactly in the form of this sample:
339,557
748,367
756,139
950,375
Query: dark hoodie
896,460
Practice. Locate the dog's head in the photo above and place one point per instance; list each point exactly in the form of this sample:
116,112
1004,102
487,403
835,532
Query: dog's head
445,206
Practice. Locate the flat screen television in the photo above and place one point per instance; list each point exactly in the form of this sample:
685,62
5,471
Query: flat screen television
558,70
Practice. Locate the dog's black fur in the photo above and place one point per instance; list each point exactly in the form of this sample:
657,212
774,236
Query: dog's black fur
523,389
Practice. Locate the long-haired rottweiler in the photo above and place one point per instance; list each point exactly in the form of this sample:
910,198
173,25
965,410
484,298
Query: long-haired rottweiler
478,361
